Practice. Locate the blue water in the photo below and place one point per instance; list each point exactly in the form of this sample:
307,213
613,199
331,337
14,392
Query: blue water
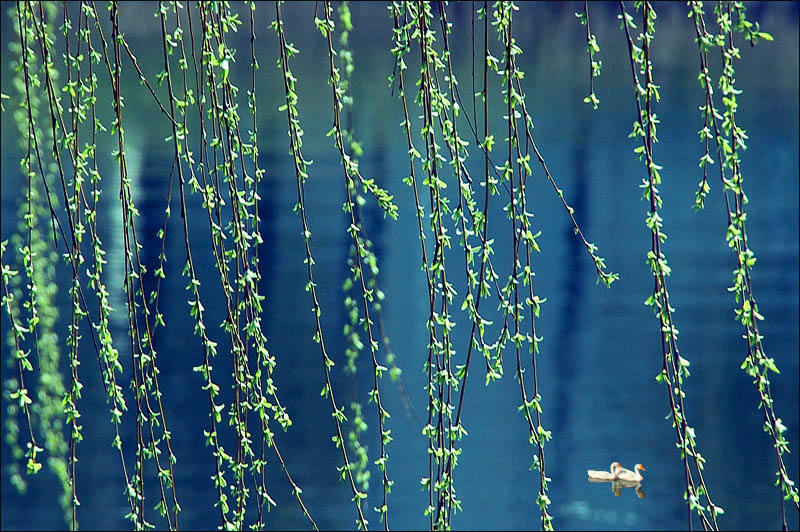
601,346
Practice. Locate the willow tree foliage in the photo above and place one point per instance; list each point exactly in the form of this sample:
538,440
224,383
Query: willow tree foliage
68,61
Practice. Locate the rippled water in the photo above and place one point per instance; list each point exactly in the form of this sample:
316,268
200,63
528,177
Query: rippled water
601,348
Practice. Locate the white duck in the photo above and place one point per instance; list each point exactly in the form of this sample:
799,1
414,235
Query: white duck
605,475
627,474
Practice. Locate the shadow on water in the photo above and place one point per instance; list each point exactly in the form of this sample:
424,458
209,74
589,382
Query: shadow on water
568,357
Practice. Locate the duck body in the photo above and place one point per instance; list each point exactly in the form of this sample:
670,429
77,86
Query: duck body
630,476
605,475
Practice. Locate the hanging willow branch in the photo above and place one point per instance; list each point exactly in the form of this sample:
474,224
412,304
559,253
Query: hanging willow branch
729,139
367,295
358,425
522,274
591,48
238,268
442,381
300,165
675,367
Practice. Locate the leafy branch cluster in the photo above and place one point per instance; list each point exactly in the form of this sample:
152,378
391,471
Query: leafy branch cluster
675,367
287,50
368,257
215,163
358,426
592,48
217,180
441,109
730,143
351,177
518,165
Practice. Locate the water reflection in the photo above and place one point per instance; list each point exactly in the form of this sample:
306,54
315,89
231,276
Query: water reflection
618,485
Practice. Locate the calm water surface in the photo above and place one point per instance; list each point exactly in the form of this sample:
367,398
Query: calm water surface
601,347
